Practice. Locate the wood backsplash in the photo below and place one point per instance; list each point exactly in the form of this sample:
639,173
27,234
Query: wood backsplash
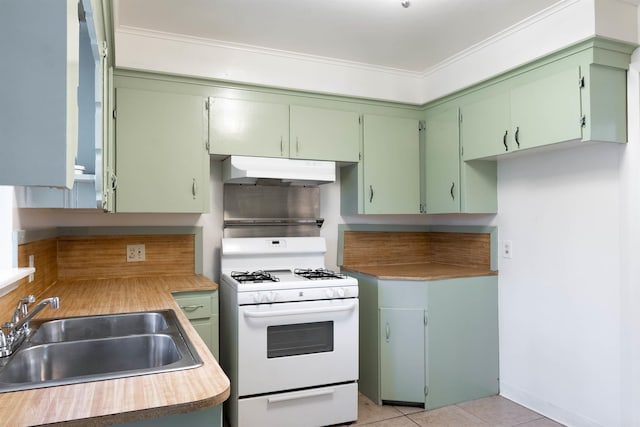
391,248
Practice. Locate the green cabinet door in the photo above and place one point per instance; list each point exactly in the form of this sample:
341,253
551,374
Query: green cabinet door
402,355
485,126
391,165
323,134
546,110
162,164
248,128
442,163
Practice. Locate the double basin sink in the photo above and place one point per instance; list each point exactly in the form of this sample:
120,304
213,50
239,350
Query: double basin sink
92,348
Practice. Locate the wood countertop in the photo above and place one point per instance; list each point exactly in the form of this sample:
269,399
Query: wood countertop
125,399
419,271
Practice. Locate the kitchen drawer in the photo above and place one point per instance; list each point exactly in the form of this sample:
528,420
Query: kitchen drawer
195,306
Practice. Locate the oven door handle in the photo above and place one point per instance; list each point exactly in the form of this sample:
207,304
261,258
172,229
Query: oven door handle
263,314
301,395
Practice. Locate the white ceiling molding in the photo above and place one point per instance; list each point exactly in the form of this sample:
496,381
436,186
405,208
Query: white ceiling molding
556,27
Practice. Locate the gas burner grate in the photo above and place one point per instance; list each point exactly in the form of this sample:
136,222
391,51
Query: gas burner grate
253,277
318,274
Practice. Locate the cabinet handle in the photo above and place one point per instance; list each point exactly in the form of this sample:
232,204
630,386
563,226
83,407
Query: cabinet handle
453,185
194,188
191,308
504,140
114,181
281,147
517,136
297,145
370,193
387,331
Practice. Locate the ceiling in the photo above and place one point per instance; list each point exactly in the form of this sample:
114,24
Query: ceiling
380,33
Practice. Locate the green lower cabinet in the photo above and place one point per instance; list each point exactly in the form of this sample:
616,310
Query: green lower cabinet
209,417
428,343
402,371
201,308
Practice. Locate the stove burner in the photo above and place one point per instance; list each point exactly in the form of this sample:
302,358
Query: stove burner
254,277
318,274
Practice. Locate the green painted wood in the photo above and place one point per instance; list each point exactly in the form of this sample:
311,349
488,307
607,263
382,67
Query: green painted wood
462,330
323,134
369,347
479,187
402,355
40,77
604,104
546,110
391,165
248,128
161,160
485,126
209,417
442,162
206,320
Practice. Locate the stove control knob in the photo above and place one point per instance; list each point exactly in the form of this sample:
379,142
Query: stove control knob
257,297
329,293
271,296
341,292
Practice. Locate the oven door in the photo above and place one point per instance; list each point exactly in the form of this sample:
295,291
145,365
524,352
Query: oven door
287,346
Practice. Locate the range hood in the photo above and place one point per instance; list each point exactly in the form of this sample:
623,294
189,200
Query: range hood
265,170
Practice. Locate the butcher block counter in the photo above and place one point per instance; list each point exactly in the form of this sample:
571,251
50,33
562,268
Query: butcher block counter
125,399
422,271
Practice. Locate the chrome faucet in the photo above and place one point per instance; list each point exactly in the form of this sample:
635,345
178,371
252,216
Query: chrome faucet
13,333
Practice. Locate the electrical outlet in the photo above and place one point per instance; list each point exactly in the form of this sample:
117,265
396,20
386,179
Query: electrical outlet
507,249
32,264
135,253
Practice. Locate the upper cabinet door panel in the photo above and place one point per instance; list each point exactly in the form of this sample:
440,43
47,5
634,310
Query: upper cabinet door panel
249,128
485,127
322,134
161,161
546,110
391,165
39,92
443,162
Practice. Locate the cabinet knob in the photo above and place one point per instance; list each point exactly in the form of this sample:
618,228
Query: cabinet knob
517,136
504,140
194,188
453,185
370,193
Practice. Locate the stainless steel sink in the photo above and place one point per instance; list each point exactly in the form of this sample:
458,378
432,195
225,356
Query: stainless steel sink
82,328
93,348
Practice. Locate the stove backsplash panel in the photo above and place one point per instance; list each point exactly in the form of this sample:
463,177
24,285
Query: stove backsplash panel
271,211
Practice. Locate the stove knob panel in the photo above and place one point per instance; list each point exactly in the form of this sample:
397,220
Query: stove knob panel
341,292
329,293
257,297
271,296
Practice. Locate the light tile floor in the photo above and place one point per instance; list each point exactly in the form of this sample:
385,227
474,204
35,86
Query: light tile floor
495,411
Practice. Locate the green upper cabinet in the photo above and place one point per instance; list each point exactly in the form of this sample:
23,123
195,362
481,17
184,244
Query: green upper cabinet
452,185
266,129
249,128
391,165
323,134
162,163
547,109
39,92
575,95
442,163
485,124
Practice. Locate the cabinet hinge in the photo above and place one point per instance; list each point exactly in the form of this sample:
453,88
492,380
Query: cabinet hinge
461,150
426,391
360,156
359,120
583,121
104,51
421,125
460,117
426,318
581,82
207,145
206,104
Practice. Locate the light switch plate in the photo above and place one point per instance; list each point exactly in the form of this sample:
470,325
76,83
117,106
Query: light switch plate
135,253
507,249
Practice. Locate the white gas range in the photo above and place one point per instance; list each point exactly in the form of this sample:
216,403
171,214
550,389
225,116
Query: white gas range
289,334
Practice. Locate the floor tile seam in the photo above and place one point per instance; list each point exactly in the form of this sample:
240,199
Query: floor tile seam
540,417
486,421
